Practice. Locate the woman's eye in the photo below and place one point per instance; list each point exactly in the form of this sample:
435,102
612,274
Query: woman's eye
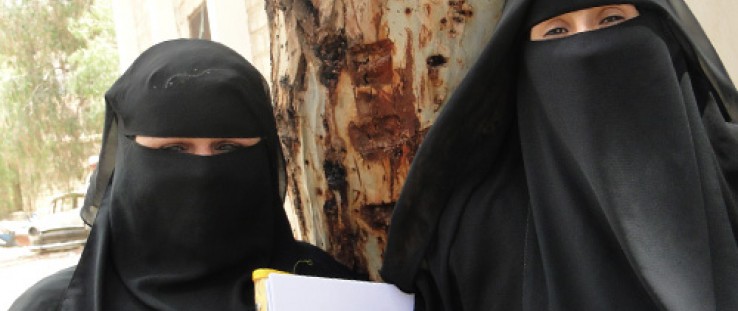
174,148
227,147
556,31
612,19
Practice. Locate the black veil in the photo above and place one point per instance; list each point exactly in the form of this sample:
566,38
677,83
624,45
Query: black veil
177,231
467,191
100,180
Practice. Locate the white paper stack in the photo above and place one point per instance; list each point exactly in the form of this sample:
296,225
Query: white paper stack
287,292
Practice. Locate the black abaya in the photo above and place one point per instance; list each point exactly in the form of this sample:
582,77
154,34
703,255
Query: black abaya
593,172
179,231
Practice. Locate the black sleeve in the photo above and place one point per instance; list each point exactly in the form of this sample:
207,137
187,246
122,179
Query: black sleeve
307,259
46,294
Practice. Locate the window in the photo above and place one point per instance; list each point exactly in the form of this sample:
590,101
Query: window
199,24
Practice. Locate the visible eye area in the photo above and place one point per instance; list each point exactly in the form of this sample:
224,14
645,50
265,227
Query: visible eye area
174,147
611,19
196,146
611,16
224,147
558,31
584,20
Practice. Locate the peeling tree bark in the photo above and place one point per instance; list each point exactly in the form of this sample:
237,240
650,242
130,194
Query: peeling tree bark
357,84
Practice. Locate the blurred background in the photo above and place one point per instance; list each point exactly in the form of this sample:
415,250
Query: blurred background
57,58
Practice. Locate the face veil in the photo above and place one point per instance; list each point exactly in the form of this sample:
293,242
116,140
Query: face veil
587,173
178,231
618,170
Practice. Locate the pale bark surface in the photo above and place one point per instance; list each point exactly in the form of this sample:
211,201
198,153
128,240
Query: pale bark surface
357,84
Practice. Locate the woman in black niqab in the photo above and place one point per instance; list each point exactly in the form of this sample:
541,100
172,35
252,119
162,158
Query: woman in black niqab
593,172
178,231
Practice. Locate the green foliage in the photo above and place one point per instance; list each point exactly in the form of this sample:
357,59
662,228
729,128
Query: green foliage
57,59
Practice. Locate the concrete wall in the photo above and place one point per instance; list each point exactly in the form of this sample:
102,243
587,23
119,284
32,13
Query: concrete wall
259,33
717,18
239,24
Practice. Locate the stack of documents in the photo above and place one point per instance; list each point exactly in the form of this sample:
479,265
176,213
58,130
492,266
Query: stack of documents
287,292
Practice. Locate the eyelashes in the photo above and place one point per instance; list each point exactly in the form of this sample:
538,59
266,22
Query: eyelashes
228,147
173,148
612,20
558,31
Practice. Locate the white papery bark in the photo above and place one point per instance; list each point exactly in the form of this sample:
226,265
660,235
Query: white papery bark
357,84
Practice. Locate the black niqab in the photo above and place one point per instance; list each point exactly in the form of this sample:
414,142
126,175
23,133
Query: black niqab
178,231
621,180
602,179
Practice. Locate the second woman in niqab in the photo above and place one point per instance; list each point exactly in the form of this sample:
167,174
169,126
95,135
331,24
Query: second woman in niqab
596,171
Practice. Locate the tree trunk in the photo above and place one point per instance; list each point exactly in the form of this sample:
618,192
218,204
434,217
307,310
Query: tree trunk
17,189
357,84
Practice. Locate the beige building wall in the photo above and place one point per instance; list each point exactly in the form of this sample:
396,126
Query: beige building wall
239,24
259,32
717,18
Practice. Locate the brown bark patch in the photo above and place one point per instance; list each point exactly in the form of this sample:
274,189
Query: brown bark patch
424,37
371,64
377,216
340,233
458,13
386,118
331,50
461,8
434,62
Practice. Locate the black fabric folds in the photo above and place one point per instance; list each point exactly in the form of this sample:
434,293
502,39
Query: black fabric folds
621,175
593,172
177,231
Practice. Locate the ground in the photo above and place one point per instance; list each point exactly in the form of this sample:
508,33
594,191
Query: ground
20,268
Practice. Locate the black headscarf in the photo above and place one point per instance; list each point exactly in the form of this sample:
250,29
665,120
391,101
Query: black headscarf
179,231
594,172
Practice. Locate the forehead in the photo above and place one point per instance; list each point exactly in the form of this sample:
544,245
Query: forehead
587,12
187,88
541,10
219,104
